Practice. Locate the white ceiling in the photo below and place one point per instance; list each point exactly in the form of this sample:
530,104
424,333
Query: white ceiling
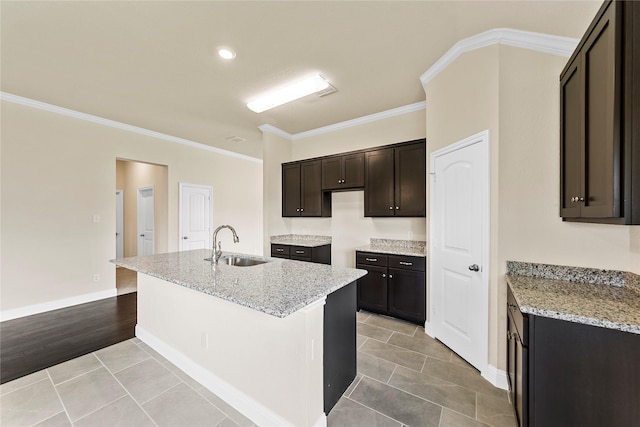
154,64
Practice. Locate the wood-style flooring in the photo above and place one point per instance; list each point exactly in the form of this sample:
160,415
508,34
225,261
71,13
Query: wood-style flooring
33,343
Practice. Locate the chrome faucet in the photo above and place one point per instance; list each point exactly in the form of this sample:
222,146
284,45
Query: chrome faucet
217,253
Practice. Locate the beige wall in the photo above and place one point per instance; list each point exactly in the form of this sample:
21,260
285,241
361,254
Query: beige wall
134,175
58,172
347,226
514,93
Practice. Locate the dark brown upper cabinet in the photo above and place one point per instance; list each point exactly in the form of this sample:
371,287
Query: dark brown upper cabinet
302,190
344,172
599,121
395,181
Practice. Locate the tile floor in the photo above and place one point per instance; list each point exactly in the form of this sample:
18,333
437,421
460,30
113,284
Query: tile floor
404,378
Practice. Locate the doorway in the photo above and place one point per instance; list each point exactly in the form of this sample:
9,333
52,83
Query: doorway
146,228
119,224
459,248
131,176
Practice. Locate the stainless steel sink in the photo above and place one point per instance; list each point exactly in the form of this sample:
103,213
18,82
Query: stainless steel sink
238,261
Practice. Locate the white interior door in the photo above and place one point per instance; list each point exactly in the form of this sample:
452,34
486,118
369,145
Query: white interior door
195,217
459,252
119,223
145,221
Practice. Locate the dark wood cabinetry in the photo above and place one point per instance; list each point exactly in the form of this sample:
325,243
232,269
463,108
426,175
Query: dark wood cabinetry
393,178
318,254
302,193
344,172
600,131
394,285
563,373
395,181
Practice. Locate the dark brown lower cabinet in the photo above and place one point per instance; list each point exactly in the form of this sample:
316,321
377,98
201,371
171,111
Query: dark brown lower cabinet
394,285
318,254
564,373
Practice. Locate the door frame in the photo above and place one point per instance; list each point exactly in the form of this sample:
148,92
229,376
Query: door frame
481,138
120,214
140,220
180,224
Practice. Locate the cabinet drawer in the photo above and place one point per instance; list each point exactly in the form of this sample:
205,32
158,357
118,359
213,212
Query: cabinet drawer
407,262
300,252
370,258
521,320
280,250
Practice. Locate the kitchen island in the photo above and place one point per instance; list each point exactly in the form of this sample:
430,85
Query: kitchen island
275,340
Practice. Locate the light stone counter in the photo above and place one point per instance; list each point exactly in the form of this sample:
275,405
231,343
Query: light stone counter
608,299
396,247
279,287
301,240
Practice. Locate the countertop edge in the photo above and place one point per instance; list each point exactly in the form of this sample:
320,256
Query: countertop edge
575,318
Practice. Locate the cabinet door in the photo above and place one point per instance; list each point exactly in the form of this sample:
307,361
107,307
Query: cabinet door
407,295
332,173
514,368
311,193
601,62
353,166
378,191
372,289
410,180
571,136
291,190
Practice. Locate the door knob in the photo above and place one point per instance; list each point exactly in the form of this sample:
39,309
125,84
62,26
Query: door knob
185,238
142,235
474,267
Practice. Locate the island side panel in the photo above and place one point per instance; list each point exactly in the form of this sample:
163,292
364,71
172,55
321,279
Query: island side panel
268,368
339,343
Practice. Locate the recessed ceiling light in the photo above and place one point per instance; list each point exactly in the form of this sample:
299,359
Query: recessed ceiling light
289,93
226,53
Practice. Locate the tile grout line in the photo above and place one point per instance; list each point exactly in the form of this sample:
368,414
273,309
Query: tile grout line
394,371
24,386
376,411
127,391
64,407
73,378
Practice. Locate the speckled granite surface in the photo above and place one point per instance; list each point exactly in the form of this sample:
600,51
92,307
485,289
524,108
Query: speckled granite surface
613,303
301,240
396,247
279,287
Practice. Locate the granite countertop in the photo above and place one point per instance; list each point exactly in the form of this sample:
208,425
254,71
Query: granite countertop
614,305
396,247
279,287
301,240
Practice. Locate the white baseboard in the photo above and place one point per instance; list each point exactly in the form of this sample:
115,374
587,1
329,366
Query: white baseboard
55,305
496,377
251,409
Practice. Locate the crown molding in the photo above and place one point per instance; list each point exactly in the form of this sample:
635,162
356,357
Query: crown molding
4,96
276,131
346,124
554,45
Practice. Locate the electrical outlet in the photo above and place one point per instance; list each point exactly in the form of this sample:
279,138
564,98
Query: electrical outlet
96,277
96,218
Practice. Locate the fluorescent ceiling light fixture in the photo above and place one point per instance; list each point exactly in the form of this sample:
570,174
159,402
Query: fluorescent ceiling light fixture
288,93
226,53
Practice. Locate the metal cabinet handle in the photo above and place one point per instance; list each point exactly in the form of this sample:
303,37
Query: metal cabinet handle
397,207
299,252
298,210
301,209
391,276
390,207
279,250
372,259
405,263
384,275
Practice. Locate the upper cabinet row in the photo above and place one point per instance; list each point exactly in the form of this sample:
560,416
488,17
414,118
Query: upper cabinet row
393,179
600,120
